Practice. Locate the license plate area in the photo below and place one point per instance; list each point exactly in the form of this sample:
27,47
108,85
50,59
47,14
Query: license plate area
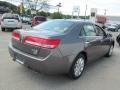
10,21
29,49
19,61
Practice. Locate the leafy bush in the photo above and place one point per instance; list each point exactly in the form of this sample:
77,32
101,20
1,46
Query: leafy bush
56,15
42,13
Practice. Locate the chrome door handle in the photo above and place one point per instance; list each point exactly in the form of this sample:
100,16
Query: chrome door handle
87,42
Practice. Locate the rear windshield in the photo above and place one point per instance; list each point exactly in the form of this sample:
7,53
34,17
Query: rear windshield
40,18
55,26
10,16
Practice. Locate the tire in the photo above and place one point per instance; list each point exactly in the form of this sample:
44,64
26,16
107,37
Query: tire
118,39
119,43
77,69
3,29
109,53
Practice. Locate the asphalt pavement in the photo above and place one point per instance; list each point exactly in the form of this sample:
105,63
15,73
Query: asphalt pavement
101,74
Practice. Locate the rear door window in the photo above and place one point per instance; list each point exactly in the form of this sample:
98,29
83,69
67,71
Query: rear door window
54,26
89,30
11,16
99,31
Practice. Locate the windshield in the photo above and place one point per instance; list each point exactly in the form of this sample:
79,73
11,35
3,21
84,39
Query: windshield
55,26
11,16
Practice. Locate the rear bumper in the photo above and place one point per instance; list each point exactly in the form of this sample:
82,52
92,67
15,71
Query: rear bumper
10,26
53,64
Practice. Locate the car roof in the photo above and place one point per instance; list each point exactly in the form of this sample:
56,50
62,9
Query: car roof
9,14
76,21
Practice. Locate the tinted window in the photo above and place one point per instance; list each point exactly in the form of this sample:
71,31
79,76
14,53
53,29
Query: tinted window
40,18
82,32
11,16
89,30
55,26
99,31
93,14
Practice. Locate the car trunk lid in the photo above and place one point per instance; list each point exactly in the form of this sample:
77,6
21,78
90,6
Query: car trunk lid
10,21
31,48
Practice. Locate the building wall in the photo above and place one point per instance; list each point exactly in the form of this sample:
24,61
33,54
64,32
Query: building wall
113,18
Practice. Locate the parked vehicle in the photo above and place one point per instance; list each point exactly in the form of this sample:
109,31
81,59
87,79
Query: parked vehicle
26,19
113,27
60,46
10,21
38,19
118,39
101,20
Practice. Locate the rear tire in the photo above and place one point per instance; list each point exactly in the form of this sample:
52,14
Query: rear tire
110,51
3,29
77,67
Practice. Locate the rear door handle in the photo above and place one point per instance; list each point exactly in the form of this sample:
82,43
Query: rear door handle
87,43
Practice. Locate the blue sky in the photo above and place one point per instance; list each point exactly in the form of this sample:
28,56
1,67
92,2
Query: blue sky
112,6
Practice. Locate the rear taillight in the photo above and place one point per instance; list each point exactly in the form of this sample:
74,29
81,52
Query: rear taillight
16,36
41,42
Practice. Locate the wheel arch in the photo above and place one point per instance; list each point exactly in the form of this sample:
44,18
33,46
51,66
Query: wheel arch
113,43
77,56
85,54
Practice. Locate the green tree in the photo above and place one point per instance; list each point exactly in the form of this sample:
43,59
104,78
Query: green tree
67,16
28,12
56,15
10,6
21,11
83,17
38,4
42,13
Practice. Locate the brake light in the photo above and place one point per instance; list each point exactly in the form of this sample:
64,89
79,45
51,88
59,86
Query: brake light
45,43
16,36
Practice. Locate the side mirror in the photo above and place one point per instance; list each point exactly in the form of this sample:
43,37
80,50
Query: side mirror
109,35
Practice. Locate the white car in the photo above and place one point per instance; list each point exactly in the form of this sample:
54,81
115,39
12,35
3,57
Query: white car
10,21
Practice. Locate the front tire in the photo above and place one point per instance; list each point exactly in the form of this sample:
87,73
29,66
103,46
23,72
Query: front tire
110,51
3,29
77,67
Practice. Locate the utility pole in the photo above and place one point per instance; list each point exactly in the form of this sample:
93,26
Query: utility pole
59,5
85,11
21,9
105,11
72,14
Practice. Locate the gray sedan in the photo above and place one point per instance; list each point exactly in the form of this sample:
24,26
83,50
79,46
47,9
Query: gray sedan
60,46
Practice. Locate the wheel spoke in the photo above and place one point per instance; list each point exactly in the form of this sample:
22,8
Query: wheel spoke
79,66
111,50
